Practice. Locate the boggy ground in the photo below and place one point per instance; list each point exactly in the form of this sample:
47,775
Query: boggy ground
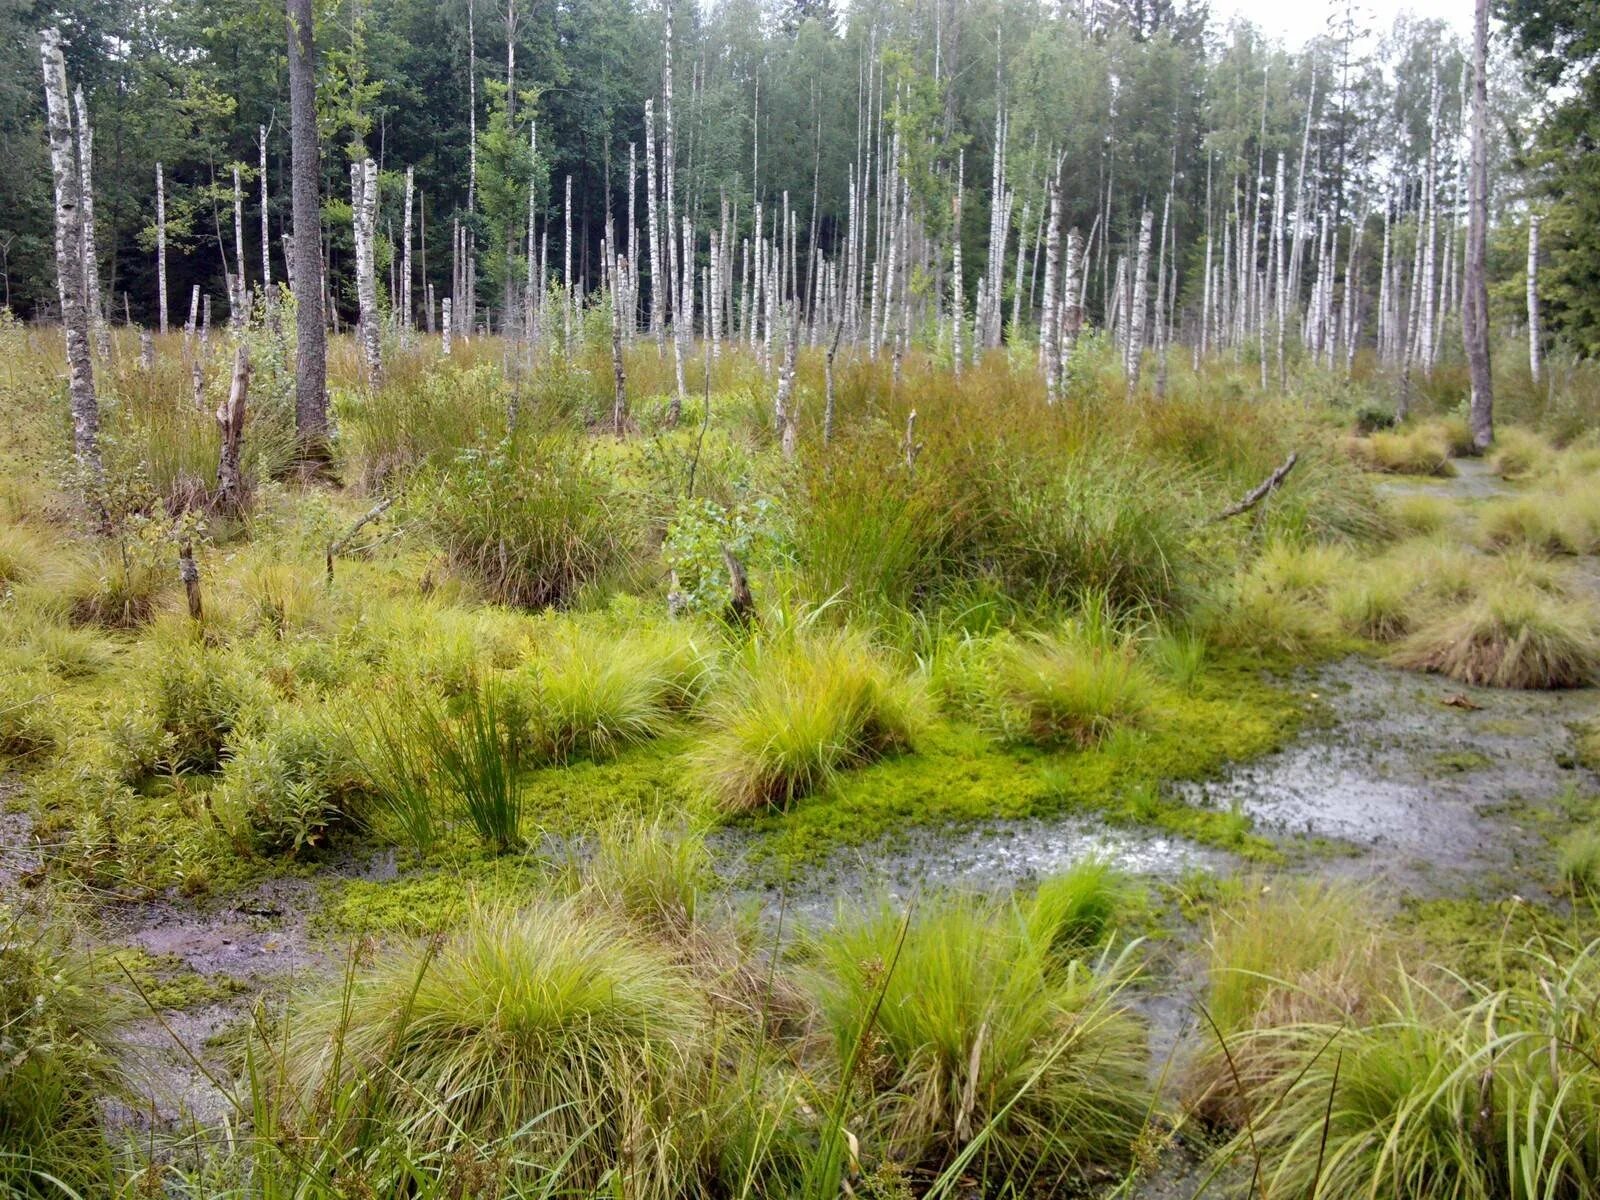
1218,715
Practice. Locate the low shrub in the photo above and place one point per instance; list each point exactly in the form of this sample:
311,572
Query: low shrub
198,695
795,709
286,787
972,1032
534,520
1510,637
29,723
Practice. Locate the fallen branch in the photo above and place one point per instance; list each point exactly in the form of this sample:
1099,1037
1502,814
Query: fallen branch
372,514
741,604
1267,486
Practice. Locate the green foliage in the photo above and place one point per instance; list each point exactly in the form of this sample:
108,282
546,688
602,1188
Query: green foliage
1076,912
1071,689
479,755
693,550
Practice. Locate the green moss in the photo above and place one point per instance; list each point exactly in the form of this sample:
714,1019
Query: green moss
1486,940
429,901
166,982
958,775
1458,762
583,794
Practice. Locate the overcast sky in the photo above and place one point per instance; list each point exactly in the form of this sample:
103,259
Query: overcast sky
1297,20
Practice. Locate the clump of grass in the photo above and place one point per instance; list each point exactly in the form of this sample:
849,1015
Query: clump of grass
795,710
1579,859
1419,513
1508,637
1077,911
1492,1095
652,876
534,520
1420,450
116,591
548,1037
1070,689
1248,614
1376,603
1555,520
478,753
1302,569
22,558
592,693
970,1020
1179,655
1520,452
61,1012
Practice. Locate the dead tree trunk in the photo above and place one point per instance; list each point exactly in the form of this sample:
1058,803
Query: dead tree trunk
311,352
230,422
91,259
406,322
69,266
266,233
364,203
239,299
161,247
1535,326
619,403
1475,323
1141,302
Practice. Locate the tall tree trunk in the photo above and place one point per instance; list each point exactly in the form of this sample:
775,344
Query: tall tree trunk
161,247
266,234
619,403
1141,302
406,323
1535,326
364,200
311,361
1475,313
70,277
1049,323
239,298
91,258
958,302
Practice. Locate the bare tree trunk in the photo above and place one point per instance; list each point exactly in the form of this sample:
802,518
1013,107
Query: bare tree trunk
1071,306
619,404
445,326
230,421
239,300
1141,302
788,413
266,234
364,200
1049,322
91,258
958,302
311,363
161,247
1475,324
653,229
70,280
1535,327
406,322
827,373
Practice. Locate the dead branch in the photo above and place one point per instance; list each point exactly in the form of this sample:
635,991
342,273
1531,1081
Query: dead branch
1267,486
372,514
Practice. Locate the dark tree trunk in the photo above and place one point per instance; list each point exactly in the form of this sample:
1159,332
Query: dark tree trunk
311,365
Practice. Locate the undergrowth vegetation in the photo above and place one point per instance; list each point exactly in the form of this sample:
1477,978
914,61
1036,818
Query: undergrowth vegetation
545,688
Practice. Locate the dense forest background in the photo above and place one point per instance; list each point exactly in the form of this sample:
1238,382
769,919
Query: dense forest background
1145,104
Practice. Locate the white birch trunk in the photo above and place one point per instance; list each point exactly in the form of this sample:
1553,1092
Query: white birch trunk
1535,326
91,257
161,247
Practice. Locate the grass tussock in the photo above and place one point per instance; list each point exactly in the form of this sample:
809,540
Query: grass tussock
1508,637
797,708
1070,689
1432,1092
969,1018
1560,519
580,1056
1419,450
